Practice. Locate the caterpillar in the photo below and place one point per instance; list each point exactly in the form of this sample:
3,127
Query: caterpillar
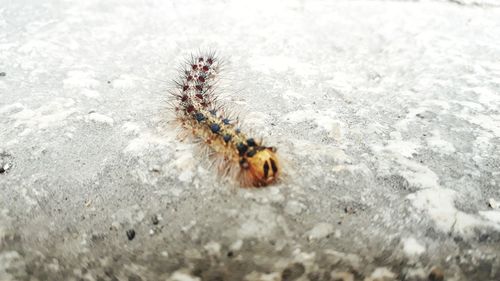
199,113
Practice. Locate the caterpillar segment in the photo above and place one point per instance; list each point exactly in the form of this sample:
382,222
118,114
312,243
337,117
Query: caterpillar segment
197,110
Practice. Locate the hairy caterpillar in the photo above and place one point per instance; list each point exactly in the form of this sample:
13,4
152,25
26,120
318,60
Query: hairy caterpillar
199,113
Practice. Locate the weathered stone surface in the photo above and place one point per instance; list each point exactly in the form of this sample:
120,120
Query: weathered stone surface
386,113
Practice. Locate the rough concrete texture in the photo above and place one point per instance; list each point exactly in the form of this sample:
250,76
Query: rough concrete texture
386,114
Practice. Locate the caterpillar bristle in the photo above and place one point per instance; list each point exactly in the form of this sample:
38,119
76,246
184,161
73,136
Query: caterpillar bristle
216,129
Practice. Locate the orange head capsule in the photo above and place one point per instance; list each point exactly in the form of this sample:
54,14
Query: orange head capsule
261,166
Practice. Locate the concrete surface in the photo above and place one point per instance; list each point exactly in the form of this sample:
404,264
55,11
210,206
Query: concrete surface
386,114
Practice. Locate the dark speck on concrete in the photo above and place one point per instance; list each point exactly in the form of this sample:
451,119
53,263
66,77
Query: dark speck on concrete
154,219
130,234
349,210
2,74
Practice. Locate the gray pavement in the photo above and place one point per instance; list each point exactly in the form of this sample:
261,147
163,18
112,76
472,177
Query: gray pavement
385,113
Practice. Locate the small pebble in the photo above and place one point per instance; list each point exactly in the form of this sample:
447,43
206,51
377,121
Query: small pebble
436,274
2,74
292,272
130,234
493,204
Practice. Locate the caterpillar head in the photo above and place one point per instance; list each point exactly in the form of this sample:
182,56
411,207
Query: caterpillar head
260,166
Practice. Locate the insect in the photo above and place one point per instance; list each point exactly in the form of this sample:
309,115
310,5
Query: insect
201,115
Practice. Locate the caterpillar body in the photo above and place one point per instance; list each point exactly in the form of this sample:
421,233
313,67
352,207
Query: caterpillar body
199,113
